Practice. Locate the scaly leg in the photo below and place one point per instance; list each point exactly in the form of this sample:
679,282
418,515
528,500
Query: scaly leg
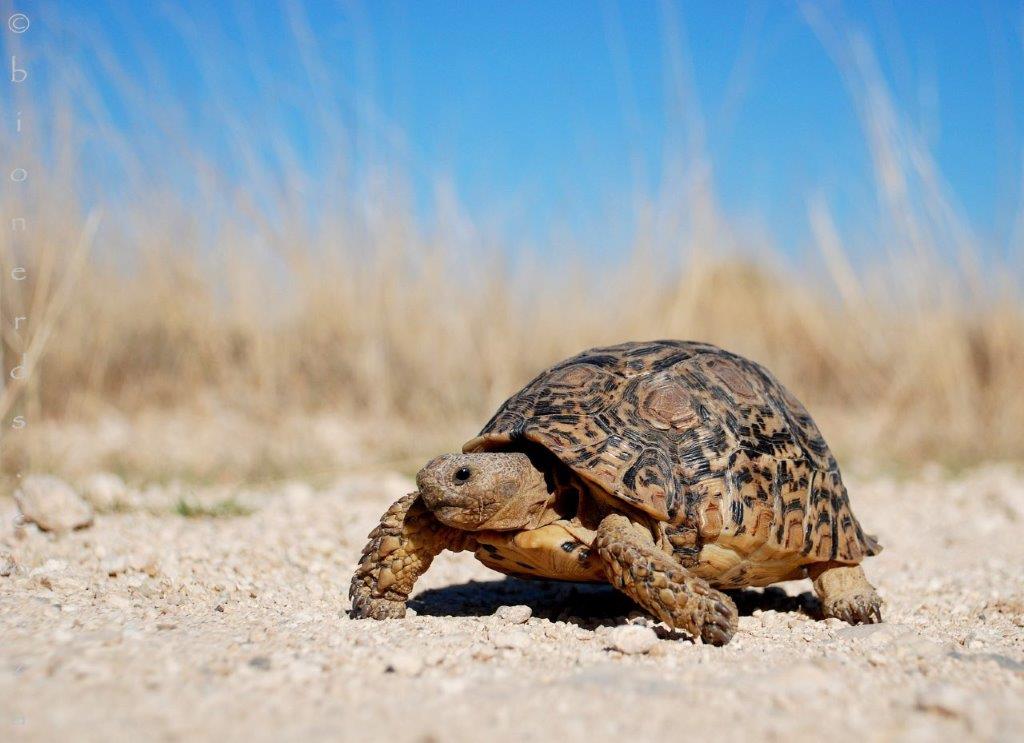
652,578
845,593
400,550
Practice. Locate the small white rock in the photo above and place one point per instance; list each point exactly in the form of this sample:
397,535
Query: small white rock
878,659
483,652
118,601
804,680
632,639
514,614
749,624
405,664
51,504
876,635
435,657
515,639
49,568
7,564
114,565
104,491
944,699
919,647
297,493
769,618
973,641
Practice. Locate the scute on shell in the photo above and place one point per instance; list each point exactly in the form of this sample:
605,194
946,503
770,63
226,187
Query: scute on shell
661,424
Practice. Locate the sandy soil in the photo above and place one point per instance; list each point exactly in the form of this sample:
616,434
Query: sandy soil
166,622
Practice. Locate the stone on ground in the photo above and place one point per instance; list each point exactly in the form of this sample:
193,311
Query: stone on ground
51,504
632,639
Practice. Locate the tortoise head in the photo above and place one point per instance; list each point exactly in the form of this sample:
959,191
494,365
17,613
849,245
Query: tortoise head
500,491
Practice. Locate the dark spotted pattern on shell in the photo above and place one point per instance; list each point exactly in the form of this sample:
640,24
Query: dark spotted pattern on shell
700,438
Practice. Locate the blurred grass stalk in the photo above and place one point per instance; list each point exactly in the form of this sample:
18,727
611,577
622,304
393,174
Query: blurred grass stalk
272,289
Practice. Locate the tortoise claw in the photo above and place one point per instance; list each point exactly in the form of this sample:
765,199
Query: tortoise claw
846,594
720,622
366,606
856,609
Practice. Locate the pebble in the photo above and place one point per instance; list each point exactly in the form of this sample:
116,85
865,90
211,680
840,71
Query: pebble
260,662
769,618
105,491
483,652
919,647
114,565
51,504
514,614
631,639
878,659
876,635
404,664
944,699
974,641
435,657
118,601
49,568
7,564
515,639
749,624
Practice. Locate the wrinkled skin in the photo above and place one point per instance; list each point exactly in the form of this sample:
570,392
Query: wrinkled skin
479,492
497,499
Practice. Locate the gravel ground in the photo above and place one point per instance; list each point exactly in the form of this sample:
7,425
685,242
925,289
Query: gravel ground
222,616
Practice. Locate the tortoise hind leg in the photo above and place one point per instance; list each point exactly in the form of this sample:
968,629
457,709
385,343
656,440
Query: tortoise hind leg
845,592
635,566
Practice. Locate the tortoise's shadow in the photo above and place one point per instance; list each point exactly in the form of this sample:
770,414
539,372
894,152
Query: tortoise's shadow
588,605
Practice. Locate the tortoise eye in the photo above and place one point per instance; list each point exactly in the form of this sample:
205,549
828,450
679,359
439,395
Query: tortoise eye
462,474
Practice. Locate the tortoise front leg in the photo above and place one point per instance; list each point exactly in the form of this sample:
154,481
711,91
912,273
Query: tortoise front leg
635,565
400,550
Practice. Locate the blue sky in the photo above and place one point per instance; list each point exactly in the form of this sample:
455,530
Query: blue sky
556,114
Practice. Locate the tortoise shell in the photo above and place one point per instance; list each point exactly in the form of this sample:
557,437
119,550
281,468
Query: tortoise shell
699,438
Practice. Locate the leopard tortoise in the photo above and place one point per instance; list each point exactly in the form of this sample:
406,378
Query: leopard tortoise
669,469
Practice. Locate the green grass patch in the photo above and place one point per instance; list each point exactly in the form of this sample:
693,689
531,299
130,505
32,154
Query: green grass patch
222,509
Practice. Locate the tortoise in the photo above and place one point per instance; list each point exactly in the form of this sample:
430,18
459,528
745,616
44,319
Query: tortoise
672,470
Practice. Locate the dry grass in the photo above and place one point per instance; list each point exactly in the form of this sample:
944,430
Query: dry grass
336,298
